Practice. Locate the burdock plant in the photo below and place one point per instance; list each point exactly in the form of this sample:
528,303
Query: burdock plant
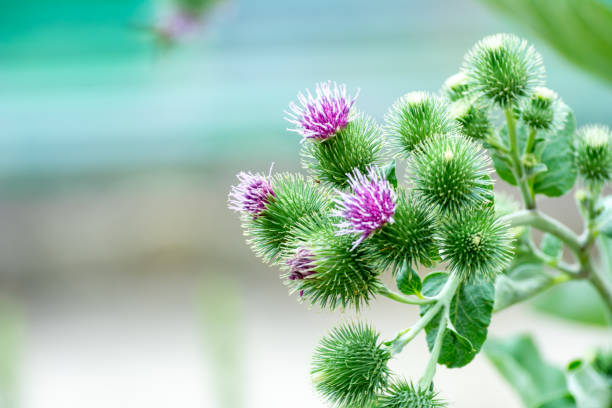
336,232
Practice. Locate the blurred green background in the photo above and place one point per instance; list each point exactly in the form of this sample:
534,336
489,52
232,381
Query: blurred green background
116,159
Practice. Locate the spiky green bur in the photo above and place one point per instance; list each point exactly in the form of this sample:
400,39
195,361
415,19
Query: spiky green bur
473,120
409,239
402,394
296,198
503,68
358,145
475,243
456,86
593,153
349,367
451,172
415,117
538,111
341,278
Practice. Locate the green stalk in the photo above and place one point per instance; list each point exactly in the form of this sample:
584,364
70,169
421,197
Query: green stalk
430,369
545,223
519,172
398,297
442,300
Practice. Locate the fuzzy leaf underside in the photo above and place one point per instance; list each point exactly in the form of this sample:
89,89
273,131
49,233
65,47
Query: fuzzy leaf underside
470,315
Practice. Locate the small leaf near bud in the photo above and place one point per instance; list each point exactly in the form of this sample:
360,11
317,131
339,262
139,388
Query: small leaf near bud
408,281
389,172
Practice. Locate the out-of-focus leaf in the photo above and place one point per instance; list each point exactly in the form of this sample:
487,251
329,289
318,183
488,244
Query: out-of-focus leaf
586,305
604,220
552,246
470,315
589,387
538,383
522,282
578,29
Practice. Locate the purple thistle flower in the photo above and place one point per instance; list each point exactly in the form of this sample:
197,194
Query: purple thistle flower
301,265
322,116
368,208
251,195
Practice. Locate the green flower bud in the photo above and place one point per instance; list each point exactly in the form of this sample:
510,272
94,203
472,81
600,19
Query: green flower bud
349,367
539,111
358,145
451,172
295,199
593,153
456,86
475,243
472,119
402,394
502,68
410,238
337,275
415,117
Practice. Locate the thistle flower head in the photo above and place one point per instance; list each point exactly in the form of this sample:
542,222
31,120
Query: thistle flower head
323,115
295,199
252,194
540,109
358,145
451,172
402,394
503,68
415,117
368,208
594,153
301,264
333,274
410,239
349,367
456,86
472,119
475,243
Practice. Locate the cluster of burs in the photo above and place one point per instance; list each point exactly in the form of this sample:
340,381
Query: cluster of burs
336,231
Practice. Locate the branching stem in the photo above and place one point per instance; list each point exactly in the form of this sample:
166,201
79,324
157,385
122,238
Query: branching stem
398,297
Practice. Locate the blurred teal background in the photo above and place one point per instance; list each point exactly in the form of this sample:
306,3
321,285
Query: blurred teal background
116,158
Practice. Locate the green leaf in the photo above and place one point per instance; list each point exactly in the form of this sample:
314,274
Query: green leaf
552,246
604,220
590,388
389,172
577,29
470,315
586,305
521,283
538,383
555,152
408,281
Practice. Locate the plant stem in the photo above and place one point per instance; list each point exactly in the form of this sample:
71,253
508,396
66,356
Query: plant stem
519,172
442,300
545,223
398,297
530,141
430,369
